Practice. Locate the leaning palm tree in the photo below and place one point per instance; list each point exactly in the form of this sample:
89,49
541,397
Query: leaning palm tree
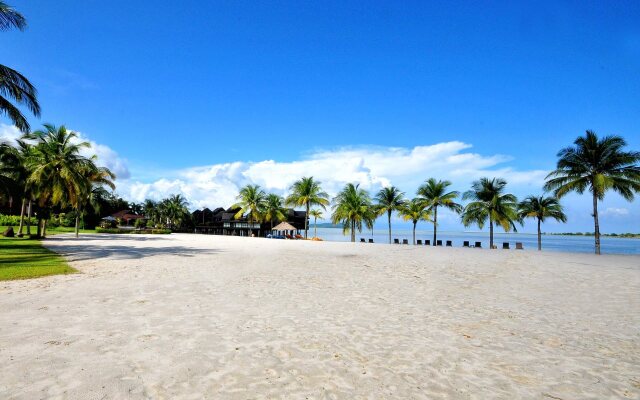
492,204
315,213
352,207
251,201
415,211
56,168
434,194
389,199
14,85
273,209
596,165
541,208
307,192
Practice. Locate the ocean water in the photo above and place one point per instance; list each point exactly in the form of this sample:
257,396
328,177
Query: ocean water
581,244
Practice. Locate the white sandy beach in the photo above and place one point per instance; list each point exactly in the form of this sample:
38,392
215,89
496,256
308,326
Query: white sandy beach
194,316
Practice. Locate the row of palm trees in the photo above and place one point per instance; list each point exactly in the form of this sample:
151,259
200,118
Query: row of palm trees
46,168
170,212
593,164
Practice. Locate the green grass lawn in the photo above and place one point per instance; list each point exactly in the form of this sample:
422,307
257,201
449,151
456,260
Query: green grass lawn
50,231
27,258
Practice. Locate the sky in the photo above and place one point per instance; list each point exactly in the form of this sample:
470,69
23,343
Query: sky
201,98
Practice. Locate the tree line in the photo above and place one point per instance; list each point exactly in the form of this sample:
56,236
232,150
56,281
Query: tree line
592,164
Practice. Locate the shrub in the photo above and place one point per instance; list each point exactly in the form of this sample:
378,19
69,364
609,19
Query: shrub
106,224
14,220
131,231
140,223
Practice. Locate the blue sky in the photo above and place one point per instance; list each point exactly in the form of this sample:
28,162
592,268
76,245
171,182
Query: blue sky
193,97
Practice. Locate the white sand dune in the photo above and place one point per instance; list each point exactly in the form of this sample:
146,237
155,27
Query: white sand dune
193,316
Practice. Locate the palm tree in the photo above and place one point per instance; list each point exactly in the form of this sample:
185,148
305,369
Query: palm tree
14,85
389,199
352,207
150,210
92,185
415,211
307,192
596,165
490,203
251,201
541,208
315,213
174,209
56,168
434,194
14,174
273,209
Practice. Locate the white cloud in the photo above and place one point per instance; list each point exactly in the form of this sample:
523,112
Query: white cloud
107,157
615,212
371,167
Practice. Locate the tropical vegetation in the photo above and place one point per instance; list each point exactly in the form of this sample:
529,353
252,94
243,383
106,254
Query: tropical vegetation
388,200
433,193
415,211
352,208
307,192
541,208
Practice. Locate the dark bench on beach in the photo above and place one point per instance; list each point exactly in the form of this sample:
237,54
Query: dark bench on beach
519,246
449,243
505,245
465,243
405,241
438,242
419,242
362,240
478,245
396,241
370,240
427,242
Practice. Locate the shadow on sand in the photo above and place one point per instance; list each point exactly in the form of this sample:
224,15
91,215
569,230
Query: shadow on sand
81,249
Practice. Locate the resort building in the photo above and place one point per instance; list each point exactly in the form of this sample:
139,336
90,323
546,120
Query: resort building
127,217
223,222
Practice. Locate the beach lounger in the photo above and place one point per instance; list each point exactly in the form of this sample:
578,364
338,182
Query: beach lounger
465,243
505,245
438,242
370,240
427,242
478,245
419,242
405,241
449,243
362,240
519,246
396,241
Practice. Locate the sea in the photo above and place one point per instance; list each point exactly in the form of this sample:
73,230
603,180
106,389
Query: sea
564,243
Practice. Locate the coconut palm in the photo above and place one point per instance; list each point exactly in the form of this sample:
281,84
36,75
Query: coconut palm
92,186
492,204
352,207
273,209
174,209
315,213
14,85
56,168
415,211
307,192
14,174
251,201
434,194
150,210
596,165
541,208
389,199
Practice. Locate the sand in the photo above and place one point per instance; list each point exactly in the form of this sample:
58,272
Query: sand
193,316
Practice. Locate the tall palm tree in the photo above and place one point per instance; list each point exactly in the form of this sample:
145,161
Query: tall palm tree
273,209
434,194
415,211
315,213
56,168
541,208
389,199
251,201
352,207
150,210
174,209
492,204
13,85
14,174
596,165
307,192
94,179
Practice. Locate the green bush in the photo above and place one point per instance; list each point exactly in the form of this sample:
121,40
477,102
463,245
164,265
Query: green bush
140,223
14,220
131,231
106,224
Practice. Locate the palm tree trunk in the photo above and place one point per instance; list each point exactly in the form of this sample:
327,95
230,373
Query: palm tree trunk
306,222
353,231
39,228
315,227
595,221
414,232
44,228
22,216
77,224
490,233
539,236
389,217
435,224
29,219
